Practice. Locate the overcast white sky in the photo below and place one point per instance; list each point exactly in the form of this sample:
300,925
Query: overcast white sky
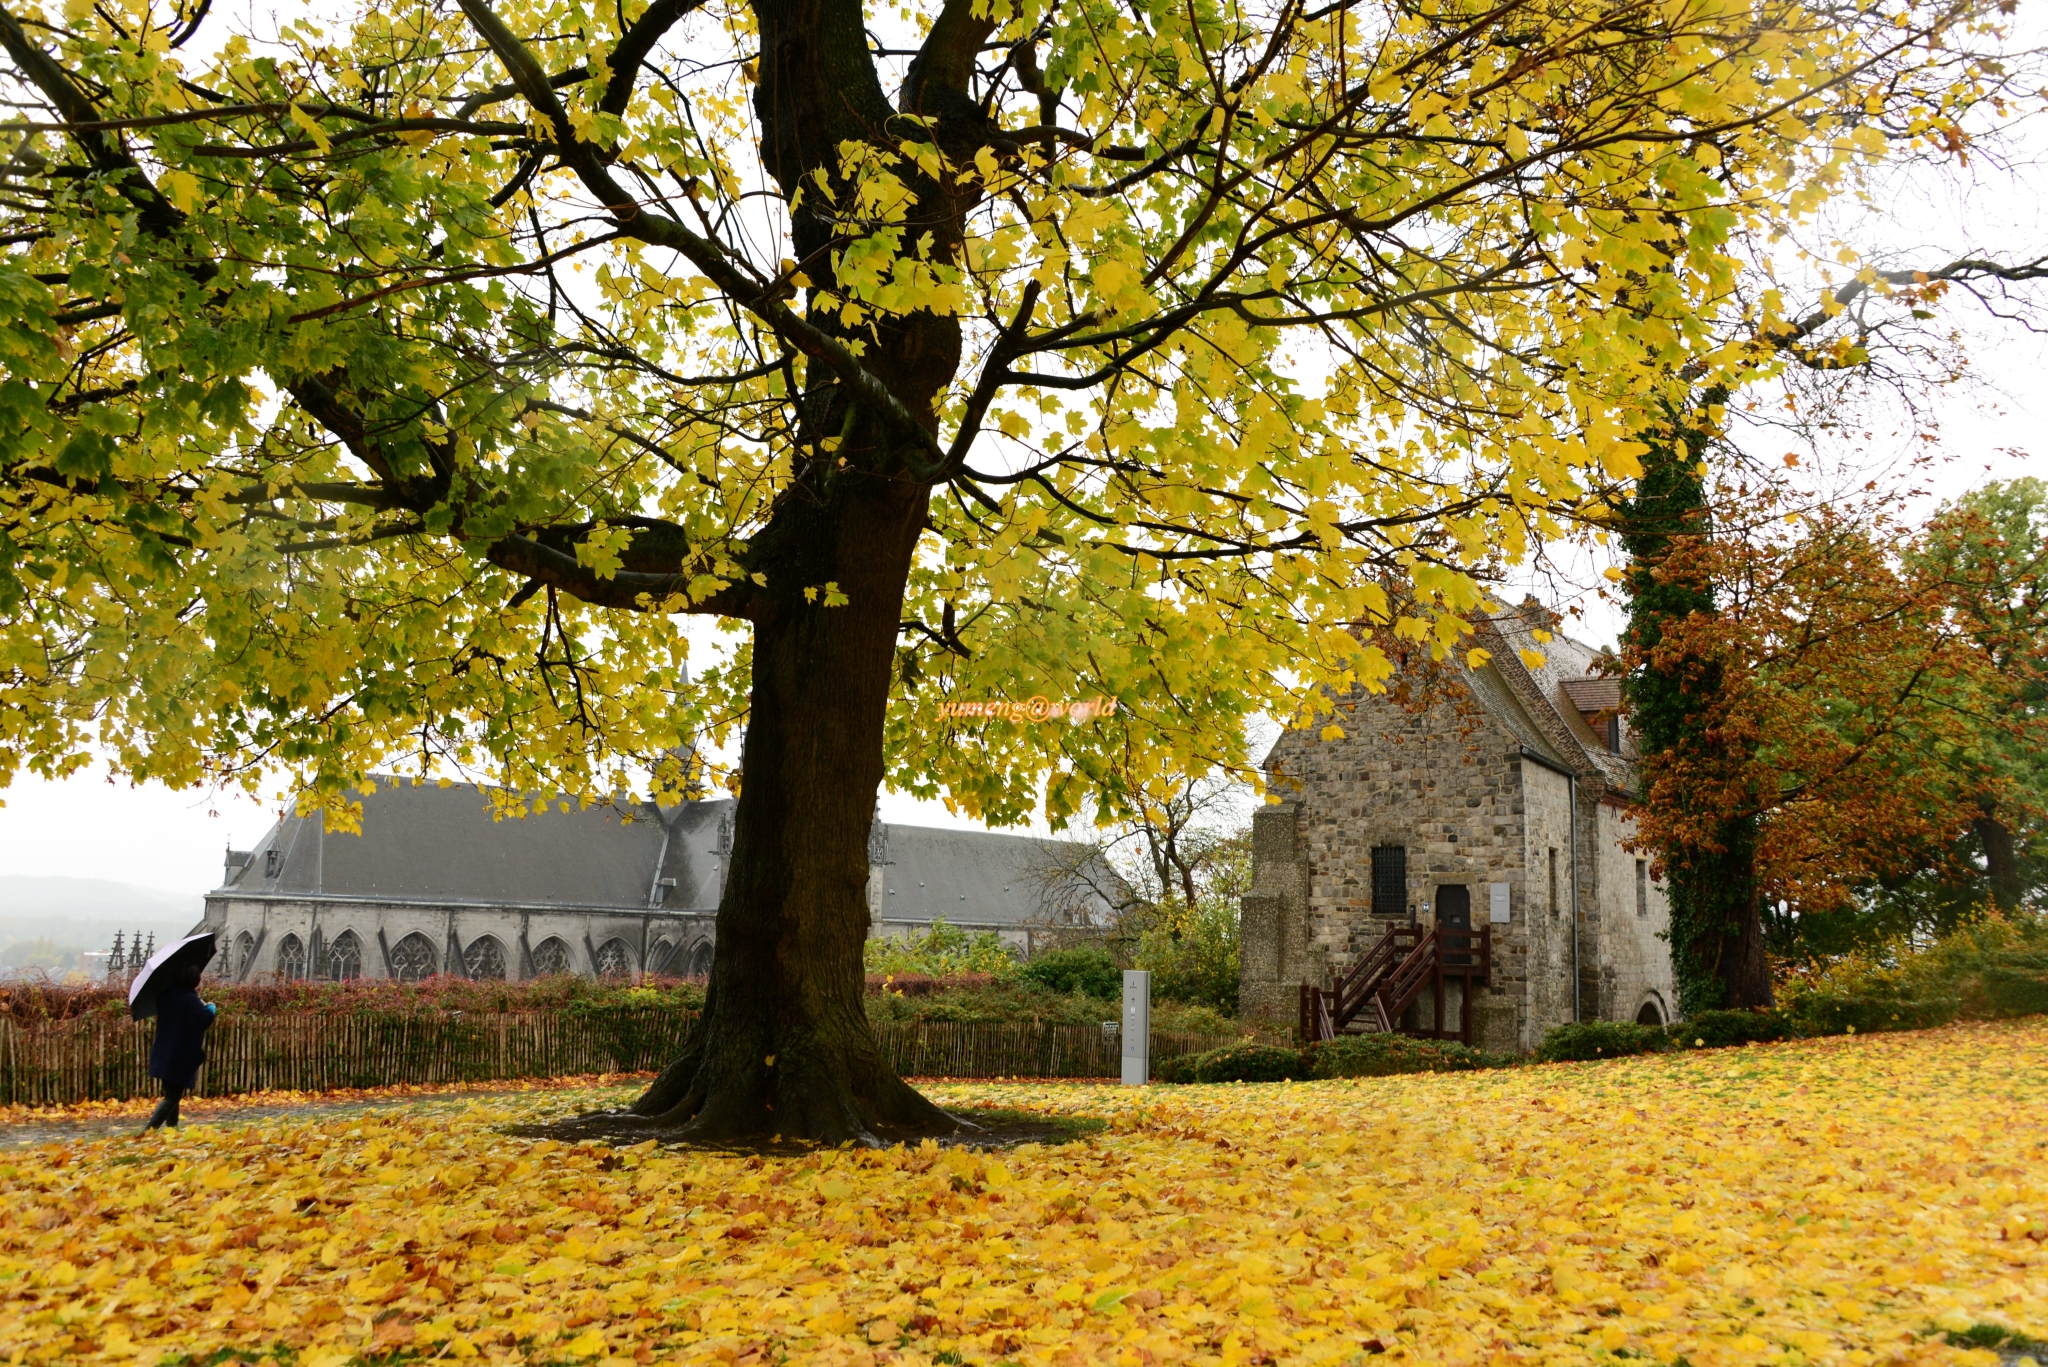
87,827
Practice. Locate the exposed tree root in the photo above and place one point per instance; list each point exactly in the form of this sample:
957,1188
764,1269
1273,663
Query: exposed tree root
763,1107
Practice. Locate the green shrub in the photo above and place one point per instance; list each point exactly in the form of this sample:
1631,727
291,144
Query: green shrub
1720,1029
1385,1055
2014,991
1583,1040
1192,953
942,951
1237,1063
1831,1015
1085,969
1993,967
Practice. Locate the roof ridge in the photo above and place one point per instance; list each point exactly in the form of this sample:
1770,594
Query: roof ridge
1507,662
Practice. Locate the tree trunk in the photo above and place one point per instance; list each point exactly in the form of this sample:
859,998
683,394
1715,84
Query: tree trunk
1745,968
2001,862
784,1048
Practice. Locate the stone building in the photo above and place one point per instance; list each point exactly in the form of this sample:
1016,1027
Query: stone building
434,885
1498,794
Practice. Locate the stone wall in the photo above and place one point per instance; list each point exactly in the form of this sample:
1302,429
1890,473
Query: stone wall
1445,783
682,938
1635,959
1547,845
1275,952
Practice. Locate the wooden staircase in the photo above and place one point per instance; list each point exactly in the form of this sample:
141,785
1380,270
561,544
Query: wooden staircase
1375,993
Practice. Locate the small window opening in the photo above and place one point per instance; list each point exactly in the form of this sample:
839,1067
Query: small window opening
273,860
1642,887
1390,880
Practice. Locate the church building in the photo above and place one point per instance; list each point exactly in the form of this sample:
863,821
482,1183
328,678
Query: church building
434,885
1480,794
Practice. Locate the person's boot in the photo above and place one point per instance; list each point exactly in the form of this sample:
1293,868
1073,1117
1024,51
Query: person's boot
166,1113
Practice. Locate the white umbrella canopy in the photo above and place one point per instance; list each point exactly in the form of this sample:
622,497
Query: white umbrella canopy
142,993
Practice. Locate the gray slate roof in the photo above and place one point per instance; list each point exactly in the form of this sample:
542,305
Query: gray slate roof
972,876
422,843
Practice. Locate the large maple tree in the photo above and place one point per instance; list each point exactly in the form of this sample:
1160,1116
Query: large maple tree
381,388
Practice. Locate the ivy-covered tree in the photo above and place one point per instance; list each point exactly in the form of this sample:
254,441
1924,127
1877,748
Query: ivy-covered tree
380,389
1829,706
1703,821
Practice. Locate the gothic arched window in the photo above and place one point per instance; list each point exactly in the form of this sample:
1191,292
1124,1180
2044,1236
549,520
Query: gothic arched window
245,955
661,958
413,959
291,959
700,960
345,957
485,958
614,960
550,956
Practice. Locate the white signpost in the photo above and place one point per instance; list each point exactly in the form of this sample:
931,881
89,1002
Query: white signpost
1137,1027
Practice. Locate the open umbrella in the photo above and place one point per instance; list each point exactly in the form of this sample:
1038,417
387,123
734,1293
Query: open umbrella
142,993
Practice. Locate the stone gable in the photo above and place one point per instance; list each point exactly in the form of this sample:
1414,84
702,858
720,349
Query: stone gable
1477,775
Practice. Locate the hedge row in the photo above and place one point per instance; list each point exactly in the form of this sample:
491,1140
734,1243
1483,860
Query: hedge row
2005,993
1352,1056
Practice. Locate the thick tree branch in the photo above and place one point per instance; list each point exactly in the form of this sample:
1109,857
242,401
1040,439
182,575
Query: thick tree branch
633,590
756,296
633,47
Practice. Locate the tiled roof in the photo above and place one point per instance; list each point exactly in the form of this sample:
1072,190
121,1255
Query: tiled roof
1592,696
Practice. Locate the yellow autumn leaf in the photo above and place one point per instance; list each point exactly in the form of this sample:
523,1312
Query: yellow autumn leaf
1846,1191
181,188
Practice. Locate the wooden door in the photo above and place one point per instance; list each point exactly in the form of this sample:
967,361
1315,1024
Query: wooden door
1454,912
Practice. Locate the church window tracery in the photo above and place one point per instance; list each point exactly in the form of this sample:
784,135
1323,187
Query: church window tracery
413,959
614,959
662,957
291,958
485,958
550,956
345,957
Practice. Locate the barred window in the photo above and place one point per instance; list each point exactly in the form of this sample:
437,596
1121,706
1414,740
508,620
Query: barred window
1390,880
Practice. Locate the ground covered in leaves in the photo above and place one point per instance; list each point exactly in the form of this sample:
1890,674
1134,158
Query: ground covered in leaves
1850,1200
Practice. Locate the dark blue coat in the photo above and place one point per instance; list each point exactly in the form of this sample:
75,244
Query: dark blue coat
181,1024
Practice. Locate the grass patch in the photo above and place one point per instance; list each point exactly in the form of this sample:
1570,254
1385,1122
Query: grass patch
1995,1338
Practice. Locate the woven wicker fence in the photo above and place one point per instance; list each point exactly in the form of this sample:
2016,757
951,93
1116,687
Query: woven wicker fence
95,1059
1020,1049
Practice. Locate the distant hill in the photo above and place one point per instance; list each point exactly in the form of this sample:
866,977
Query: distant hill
88,911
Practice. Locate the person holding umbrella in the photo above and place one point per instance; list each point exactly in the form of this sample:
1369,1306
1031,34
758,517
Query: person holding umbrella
168,988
